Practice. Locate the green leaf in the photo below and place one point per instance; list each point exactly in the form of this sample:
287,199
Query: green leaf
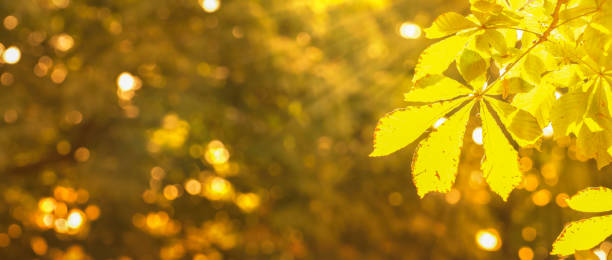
512,85
538,102
447,24
591,141
598,199
501,163
429,172
582,235
532,68
472,68
401,127
567,113
517,4
521,125
434,88
436,58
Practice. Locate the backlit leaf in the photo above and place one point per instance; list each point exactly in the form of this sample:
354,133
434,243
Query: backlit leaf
401,127
567,113
521,125
435,88
447,24
592,200
532,68
501,163
538,102
472,67
435,59
429,172
582,235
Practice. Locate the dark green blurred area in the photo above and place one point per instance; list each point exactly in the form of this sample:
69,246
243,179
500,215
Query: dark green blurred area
293,89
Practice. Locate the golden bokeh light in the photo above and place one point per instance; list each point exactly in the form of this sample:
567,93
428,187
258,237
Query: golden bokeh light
75,219
488,239
217,188
62,42
529,233
171,192
541,198
531,182
216,153
39,245
410,30
210,6
127,82
46,205
525,253
92,212
10,22
247,202
193,187
14,231
11,55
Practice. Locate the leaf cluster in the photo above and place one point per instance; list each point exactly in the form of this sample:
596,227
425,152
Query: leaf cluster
525,65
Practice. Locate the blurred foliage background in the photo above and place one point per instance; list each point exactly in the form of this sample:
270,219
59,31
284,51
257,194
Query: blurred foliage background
240,129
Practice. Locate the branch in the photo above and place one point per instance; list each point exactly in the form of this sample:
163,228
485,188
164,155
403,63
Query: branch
542,39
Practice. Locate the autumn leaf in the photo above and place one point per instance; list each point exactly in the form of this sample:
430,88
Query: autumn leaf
586,233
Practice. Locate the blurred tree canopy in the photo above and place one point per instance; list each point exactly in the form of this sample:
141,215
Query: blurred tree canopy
240,130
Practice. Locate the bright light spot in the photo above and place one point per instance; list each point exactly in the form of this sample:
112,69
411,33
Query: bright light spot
39,245
217,188
485,85
92,212
11,55
477,135
61,226
531,182
525,253
541,197
548,130
519,35
46,205
60,3
171,192
558,95
126,81
488,240
10,22
600,254
410,30
219,185
46,221
502,71
247,202
216,153
439,122
210,6
63,42
193,187
75,219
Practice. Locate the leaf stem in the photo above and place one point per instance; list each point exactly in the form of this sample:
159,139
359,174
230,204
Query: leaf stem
542,39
